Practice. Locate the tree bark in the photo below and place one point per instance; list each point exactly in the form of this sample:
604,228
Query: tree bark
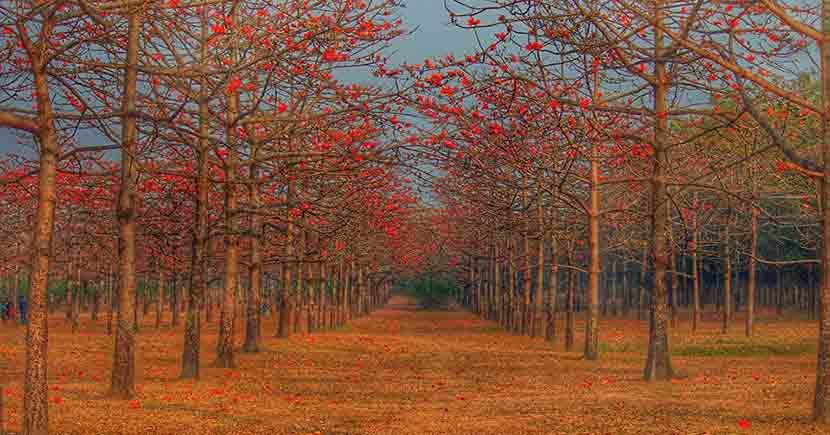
570,321
159,293
553,291
592,316
284,330
751,279
539,328
227,317
821,402
197,287
727,279
123,367
658,362
253,328
35,406
695,271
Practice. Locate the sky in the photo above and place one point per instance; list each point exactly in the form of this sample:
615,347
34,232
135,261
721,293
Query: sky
434,36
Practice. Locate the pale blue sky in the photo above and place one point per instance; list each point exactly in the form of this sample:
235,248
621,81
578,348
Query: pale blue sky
435,36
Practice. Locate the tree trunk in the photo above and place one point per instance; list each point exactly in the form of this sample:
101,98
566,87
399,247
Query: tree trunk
35,405
727,280
176,298
675,281
197,286
553,291
76,306
592,316
159,293
123,367
570,321
695,271
253,328
658,362
284,330
113,301
539,328
227,314
751,279
821,403
526,271
641,297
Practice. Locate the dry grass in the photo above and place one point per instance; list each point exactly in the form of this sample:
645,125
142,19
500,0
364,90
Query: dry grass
401,371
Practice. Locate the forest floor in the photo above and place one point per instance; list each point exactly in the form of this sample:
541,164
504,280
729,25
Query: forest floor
402,371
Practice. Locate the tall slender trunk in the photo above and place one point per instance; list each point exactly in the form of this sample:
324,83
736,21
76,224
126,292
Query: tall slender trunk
111,280
539,328
253,328
284,330
658,362
322,295
641,291
471,277
751,279
343,274
675,279
511,286
570,321
553,290
227,315
197,287
225,344
727,278
299,285
821,403
159,293
361,288
592,318
175,299
76,305
123,367
695,272
74,283
525,326
497,290
15,296
35,406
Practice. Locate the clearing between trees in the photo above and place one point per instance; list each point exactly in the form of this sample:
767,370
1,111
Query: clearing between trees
406,371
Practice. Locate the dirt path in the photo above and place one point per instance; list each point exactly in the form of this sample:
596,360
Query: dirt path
406,372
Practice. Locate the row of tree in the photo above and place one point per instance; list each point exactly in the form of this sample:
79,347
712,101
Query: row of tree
679,147
246,159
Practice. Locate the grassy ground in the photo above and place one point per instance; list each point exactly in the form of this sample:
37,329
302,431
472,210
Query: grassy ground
407,372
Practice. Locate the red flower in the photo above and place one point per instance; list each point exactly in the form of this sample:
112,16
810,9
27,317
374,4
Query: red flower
473,21
534,46
584,103
234,85
743,423
331,55
435,79
448,90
